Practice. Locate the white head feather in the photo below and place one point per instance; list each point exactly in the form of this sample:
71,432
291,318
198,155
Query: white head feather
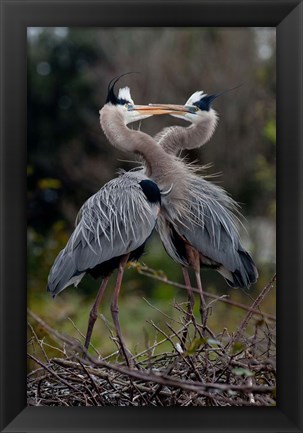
129,115
195,97
200,116
124,93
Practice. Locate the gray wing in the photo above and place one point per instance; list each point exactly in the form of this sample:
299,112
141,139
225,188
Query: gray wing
115,221
212,230
168,232
223,252
217,238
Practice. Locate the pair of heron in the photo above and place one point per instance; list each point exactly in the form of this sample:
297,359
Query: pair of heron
196,219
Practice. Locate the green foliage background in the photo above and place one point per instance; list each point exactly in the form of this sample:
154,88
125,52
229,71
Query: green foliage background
69,158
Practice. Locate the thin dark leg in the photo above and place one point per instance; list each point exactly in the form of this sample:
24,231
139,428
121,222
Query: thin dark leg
191,301
202,300
194,260
191,298
94,312
115,310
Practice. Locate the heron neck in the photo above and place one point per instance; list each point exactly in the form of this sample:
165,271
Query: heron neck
165,169
176,138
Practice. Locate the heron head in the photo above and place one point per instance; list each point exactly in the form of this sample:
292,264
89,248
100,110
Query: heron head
130,111
201,101
199,106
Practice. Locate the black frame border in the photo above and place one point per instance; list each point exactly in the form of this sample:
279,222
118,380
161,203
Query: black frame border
16,16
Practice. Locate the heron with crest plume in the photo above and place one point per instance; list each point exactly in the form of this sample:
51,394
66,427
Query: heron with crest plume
114,224
210,238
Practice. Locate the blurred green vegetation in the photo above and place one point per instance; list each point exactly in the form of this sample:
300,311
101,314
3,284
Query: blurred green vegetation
69,158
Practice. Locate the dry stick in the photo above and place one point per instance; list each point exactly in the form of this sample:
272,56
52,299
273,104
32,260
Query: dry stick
163,333
53,373
184,384
53,347
165,280
162,312
168,381
78,379
112,337
210,295
192,321
188,361
93,383
175,333
72,364
102,375
72,343
143,394
34,372
76,344
82,335
156,344
38,341
52,331
170,368
250,313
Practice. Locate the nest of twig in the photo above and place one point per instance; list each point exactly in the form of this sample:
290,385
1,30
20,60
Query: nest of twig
202,369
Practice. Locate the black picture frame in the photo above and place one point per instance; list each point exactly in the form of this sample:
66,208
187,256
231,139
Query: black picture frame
287,17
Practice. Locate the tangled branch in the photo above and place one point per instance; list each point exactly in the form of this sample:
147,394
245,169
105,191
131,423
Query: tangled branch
208,370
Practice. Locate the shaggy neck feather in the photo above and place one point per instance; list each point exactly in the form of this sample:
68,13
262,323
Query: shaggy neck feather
165,169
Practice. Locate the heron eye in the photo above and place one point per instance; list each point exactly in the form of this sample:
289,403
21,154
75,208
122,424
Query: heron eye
194,109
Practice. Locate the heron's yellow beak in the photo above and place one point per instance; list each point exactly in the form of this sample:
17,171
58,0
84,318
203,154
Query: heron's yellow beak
154,109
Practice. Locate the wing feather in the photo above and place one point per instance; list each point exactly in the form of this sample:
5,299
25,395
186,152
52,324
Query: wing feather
114,221
212,229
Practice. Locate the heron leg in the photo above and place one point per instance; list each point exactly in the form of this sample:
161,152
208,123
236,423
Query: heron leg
115,310
94,311
203,310
191,301
191,298
194,260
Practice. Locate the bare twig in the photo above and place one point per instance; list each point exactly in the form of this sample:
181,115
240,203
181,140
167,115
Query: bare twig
216,371
144,270
250,313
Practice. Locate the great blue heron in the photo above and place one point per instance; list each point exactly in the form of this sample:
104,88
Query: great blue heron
210,238
114,224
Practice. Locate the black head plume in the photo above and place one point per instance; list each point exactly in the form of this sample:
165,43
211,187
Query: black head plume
205,102
111,97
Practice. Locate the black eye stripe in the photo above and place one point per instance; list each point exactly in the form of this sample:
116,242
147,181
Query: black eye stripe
122,101
204,104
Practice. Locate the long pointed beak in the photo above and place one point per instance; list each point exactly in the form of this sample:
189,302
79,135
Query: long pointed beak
154,109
